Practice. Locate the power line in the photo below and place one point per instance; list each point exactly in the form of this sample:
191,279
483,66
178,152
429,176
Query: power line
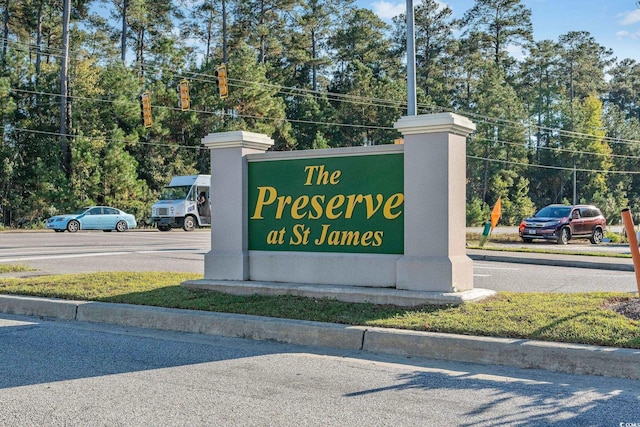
468,156
559,149
247,116
220,112
359,100
533,165
380,102
98,138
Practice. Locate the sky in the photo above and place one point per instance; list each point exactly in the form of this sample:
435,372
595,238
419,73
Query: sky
615,24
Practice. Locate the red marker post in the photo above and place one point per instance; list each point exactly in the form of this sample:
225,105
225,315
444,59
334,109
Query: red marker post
633,243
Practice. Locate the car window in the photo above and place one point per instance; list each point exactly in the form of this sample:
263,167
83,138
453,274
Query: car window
591,212
95,211
553,212
110,211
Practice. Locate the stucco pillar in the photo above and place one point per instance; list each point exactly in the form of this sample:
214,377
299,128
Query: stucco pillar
434,200
228,258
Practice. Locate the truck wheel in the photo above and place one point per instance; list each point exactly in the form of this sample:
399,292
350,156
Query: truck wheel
189,223
164,227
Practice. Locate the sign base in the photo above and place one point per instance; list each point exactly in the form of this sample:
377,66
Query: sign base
357,294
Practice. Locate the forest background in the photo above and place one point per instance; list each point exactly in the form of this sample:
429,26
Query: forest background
310,74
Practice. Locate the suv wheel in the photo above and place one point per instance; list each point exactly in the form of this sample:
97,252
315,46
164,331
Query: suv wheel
563,237
596,236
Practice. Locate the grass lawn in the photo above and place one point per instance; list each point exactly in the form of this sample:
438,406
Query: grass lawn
587,318
8,268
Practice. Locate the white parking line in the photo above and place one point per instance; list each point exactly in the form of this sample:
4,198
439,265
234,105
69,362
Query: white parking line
85,255
490,267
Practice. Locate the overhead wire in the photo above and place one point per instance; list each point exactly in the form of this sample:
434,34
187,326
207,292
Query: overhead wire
564,168
126,141
374,102
192,147
559,149
355,99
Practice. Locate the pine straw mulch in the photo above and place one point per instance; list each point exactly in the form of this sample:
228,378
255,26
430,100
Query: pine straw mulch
629,308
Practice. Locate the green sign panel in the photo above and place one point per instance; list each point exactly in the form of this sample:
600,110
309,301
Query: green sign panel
334,204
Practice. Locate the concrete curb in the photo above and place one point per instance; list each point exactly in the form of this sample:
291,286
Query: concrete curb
518,353
40,307
228,325
577,261
528,354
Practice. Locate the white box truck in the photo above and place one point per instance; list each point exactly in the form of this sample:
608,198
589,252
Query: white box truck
184,203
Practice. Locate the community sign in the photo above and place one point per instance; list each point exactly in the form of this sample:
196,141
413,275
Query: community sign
351,204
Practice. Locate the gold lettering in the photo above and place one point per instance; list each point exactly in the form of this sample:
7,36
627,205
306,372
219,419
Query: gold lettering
334,177
276,237
309,170
323,235
298,204
366,237
301,234
352,201
350,238
334,203
262,191
377,237
316,204
323,177
371,209
282,202
393,202
334,238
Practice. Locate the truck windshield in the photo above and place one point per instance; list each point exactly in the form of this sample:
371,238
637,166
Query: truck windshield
175,193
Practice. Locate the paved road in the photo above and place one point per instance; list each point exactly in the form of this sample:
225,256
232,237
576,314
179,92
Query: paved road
89,251
74,373
519,277
56,253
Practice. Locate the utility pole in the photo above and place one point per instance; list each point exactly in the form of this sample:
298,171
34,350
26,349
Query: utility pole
574,183
411,62
224,31
64,91
5,33
123,40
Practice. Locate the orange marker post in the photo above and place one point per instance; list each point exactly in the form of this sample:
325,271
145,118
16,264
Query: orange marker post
633,243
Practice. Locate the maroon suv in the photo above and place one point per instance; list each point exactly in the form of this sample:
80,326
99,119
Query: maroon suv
563,223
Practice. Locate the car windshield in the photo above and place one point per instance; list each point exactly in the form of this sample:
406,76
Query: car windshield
175,193
553,212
